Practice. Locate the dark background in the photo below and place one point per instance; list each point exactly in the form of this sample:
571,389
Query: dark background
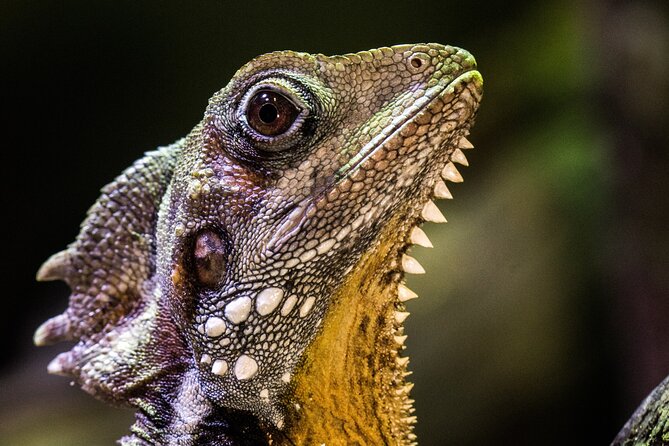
543,316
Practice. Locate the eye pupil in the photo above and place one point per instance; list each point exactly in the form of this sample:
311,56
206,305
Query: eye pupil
271,113
268,113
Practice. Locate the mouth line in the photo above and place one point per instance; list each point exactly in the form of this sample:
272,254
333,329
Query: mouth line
391,131
293,219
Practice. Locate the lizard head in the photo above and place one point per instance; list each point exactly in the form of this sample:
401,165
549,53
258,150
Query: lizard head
205,274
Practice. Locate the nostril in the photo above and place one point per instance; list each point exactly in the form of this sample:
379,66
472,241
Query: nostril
417,62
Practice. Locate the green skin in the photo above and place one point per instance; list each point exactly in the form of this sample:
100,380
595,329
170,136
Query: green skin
205,271
649,425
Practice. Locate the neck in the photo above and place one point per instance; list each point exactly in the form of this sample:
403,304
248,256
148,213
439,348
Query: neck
351,384
352,381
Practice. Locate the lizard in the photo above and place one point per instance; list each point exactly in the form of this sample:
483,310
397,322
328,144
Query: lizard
245,285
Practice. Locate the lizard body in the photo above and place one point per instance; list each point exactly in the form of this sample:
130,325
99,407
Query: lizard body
245,284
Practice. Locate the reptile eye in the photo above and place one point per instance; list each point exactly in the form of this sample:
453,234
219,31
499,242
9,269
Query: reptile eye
270,113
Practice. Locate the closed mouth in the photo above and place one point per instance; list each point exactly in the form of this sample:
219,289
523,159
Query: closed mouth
400,122
295,216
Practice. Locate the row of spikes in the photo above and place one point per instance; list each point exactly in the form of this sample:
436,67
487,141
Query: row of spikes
410,265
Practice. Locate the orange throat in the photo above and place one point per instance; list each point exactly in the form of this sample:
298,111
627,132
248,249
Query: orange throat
351,386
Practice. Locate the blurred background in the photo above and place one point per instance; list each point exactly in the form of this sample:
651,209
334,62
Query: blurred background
543,316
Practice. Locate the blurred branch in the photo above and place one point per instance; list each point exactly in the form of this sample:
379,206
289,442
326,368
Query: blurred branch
650,423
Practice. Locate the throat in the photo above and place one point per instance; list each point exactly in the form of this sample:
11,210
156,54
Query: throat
352,385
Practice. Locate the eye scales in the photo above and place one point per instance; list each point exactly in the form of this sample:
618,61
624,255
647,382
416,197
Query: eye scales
245,284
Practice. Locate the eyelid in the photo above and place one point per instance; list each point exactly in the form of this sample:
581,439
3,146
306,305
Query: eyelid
287,87
280,85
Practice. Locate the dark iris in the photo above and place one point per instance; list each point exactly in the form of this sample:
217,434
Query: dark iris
270,113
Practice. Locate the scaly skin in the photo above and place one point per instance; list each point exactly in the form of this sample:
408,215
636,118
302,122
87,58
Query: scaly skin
649,425
244,285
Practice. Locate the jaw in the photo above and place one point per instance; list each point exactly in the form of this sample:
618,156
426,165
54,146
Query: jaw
353,378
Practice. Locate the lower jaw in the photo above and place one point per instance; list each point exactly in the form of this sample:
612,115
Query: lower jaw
351,386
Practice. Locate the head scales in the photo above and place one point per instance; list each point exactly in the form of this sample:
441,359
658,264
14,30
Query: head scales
287,220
